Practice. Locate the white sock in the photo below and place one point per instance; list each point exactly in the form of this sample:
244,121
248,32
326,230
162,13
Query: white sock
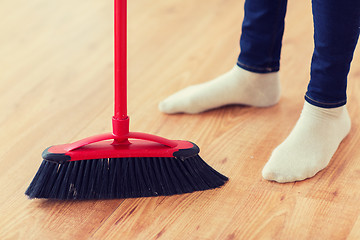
237,86
310,146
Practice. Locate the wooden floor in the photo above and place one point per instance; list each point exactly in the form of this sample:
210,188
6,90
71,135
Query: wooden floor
56,64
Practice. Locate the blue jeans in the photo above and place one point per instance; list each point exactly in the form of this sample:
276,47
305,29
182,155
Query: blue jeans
336,32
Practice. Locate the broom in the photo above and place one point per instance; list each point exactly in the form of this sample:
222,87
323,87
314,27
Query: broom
122,164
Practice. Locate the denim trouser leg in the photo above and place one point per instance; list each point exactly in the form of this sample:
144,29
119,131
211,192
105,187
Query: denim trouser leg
262,31
337,25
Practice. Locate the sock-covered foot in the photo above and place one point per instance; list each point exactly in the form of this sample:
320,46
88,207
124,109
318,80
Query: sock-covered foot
237,86
310,146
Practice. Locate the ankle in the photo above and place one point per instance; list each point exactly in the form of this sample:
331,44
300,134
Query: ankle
267,89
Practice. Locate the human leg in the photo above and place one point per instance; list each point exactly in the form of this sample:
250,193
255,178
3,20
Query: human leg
261,38
324,121
246,83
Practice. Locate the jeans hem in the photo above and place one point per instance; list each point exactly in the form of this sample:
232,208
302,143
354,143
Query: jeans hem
324,104
258,69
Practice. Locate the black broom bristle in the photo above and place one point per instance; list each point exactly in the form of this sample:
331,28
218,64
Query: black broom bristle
111,178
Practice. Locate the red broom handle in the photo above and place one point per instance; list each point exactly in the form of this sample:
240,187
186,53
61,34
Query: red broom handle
120,58
120,119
